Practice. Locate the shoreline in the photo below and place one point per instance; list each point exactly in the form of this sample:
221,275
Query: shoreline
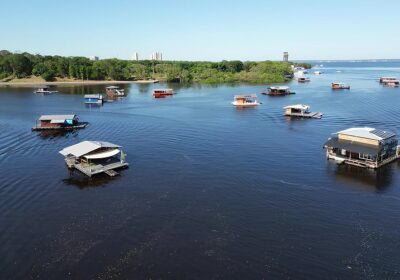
88,82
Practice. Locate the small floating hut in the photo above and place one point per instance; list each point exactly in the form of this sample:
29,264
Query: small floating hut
160,93
114,91
95,157
249,100
278,90
45,90
363,147
58,122
339,86
303,79
96,99
301,111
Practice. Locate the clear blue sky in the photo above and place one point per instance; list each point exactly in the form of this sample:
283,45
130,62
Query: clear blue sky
204,29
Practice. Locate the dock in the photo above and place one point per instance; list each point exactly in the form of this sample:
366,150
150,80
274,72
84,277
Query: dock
93,169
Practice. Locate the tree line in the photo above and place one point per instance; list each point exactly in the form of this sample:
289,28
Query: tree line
20,65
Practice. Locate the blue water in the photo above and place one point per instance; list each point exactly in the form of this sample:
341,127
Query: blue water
211,192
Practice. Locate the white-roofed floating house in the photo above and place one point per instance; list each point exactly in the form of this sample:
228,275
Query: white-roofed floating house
59,122
301,111
96,99
363,146
114,91
95,157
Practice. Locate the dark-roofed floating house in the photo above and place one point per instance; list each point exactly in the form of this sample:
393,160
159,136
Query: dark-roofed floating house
95,157
59,122
93,99
363,146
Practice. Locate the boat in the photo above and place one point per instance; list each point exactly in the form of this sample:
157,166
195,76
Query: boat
96,99
114,91
59,122
160,93
278,90
95,157
303,79
302,111
386,79
45,90
317,72
245,100
363,146
339,86
391,83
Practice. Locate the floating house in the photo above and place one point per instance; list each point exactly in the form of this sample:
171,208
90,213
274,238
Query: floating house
94,157
58,122
363,146
45,90
391,83
339,86
114,91
382,79
303,79
96,99
160,93
278,90
302,111
245,100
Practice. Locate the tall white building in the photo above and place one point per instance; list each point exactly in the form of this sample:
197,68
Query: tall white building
156,56
135,56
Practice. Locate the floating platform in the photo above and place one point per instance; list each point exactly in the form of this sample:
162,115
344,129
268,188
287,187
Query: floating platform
310,115
93,169
72,127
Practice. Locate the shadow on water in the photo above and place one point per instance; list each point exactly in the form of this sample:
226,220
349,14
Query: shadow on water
50,134
368,179
81,181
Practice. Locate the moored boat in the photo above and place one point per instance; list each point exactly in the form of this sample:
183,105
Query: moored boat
303,79
96,99
385,79
114,91
278,90
59,122
95,157
317,72
302,111
339,86
45,90
249,100
391,83
160,93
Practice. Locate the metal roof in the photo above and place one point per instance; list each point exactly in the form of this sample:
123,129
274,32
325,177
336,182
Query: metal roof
246,96
352,146
113,87
298,107
56,117
367,132
279,87
93,96
86,147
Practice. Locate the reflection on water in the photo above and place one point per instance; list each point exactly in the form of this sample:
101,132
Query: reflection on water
369,179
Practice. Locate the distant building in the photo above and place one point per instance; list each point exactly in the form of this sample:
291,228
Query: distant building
94,58
286,57
156,56
135,56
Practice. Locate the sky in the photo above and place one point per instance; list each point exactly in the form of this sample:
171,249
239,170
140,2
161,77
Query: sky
211,30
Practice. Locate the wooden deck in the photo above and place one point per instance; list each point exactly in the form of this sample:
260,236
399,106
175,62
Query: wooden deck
78,126
93,169
311,115
363,163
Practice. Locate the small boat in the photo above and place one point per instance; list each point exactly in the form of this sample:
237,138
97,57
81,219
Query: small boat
339,86
160,93
95,157
303,79
391,83
114,91
386,79
45,90
278,90
302,111
59,122
245,100
96,99
317,72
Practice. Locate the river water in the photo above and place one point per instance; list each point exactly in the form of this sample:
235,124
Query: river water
212,192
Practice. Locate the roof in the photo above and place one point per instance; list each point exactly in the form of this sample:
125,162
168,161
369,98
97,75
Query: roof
86,147
297,106
368,132
280,87
351,146
56,117
163,89
337,83
93,96
246,96
112,87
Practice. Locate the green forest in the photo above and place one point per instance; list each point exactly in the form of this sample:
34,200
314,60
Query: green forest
21,65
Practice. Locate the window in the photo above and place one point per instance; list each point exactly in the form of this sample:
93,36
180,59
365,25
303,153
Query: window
365,156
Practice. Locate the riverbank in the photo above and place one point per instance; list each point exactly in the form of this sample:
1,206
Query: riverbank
36,81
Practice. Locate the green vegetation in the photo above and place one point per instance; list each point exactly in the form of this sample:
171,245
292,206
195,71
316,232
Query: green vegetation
15,65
